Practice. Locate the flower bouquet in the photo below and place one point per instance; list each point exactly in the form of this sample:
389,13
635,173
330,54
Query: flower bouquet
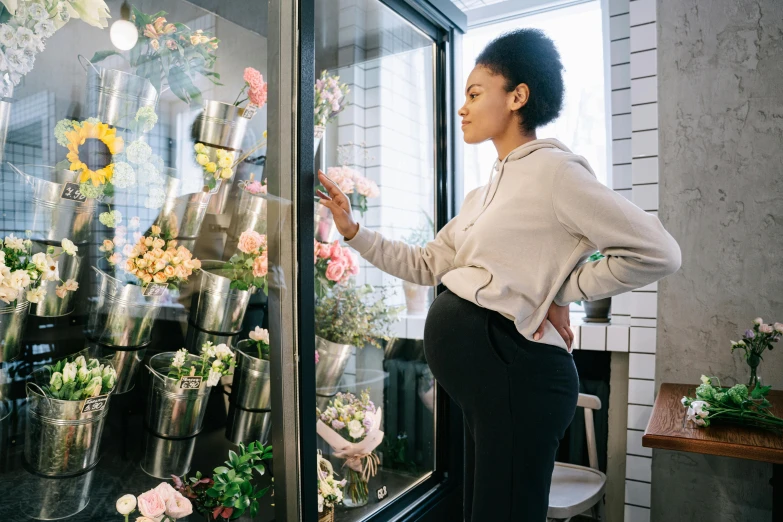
352,427
67,406
161,504
329,99
248,268
231,490
359,187
22,272
27,25
333,265
330,490
753,344
254,186
219,168
732,405
215,362
170,54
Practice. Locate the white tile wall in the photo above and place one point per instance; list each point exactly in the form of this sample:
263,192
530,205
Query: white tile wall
643,340
638,416
644,322
645,143
593,337
621,101
643,37
620,27
645,117
642,12
636,514
634,444
641,366
621,76
617,337
621,151
644,64
644,90
617,7
638,468
641,392
621,304
645,304
646,196
622,177
621,126
637,493
645,170
620,51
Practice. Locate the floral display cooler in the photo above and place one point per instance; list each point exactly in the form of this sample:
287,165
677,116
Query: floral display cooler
167,351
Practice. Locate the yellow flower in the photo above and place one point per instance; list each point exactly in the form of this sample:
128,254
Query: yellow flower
78,136
264,134
200,148
225,161
202,159
226,173
155,230
210,167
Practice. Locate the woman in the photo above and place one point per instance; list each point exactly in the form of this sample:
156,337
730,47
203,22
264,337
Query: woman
498,339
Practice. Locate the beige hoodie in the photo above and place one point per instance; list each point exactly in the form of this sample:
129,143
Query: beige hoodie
520,242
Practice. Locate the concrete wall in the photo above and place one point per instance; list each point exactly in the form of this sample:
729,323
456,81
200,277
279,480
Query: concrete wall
721,196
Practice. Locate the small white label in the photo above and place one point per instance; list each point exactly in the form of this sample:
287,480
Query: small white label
249,111
190,383
95,404
155,289
382,493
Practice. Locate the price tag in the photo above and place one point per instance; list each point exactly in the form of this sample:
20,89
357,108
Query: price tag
154,289
190,383
249,111
95,403
71,192
382,493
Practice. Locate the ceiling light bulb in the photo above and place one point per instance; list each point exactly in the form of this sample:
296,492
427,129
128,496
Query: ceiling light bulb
124,35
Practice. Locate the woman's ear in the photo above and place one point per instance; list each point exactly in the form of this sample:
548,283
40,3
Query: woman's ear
521,95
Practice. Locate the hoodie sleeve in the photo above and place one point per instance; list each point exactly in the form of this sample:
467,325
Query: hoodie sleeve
638,250
415,264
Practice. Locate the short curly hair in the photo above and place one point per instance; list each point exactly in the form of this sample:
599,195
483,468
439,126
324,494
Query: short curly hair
528,56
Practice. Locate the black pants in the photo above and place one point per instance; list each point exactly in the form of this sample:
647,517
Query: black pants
517,396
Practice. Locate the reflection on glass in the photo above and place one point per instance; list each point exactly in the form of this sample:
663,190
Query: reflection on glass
374,392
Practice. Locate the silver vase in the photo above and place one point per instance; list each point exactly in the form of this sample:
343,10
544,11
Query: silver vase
115,96
195,339
69,268
220,125
121,315
54,217
182,214
60,440
166,457
126,363
13,318
217,308
250,213
332,360
247,426
249,416
55,498
174,412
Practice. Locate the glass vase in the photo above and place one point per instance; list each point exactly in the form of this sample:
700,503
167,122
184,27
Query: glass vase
356,492
754,361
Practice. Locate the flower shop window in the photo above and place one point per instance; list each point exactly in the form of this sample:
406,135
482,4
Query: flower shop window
144,248
374,138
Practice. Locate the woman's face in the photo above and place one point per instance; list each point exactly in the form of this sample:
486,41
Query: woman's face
489,110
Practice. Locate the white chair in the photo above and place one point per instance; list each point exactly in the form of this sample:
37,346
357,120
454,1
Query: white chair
577,489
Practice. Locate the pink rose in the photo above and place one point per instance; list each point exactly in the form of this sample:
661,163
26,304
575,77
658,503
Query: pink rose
317,357
178,506
150,504
260,265
353,264
337,251
324,250
250,241
335,271
165,492
255,187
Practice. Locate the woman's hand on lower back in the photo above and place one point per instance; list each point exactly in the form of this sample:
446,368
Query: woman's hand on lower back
560,318
340,206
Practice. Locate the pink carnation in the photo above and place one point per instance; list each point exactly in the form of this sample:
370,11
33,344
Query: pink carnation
257,87
250,241
258,96
256,187
260,265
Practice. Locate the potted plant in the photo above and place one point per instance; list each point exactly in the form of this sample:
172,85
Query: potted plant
598,311
231,491
417,296
754,342
330,490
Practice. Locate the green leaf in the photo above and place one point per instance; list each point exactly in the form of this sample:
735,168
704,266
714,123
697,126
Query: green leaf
102,55
246,488
220,470
213,493
260,468
231,475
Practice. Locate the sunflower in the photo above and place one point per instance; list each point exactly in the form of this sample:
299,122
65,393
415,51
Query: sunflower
92,131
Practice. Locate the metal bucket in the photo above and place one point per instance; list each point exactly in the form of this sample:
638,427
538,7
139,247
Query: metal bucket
251,387
6,409
220,125
69,267
172,411
121,315
13,319
332,360
126,363
181,214
166,457
249,214
60,440
55,218
217,308
325,229
248,426
196,338
50,498
114,96
5,119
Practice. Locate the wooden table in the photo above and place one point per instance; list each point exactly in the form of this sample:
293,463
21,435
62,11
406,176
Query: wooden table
668,429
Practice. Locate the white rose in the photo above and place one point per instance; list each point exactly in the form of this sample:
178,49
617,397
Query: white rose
126,504
779,327
766,328
758,320
69,247
355,429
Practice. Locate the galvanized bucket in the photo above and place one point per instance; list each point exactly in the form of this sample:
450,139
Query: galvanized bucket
166,457
325,229
5,119
54,217
55,498
6,409
121,315
115,96
172,411
249,214
126,363
332,360
220,125
60,440
196,338
69,267
248,426
182,214
217,308
13,319
251,387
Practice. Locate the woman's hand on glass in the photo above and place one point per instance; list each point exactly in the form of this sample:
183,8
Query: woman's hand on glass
340,206
560,318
